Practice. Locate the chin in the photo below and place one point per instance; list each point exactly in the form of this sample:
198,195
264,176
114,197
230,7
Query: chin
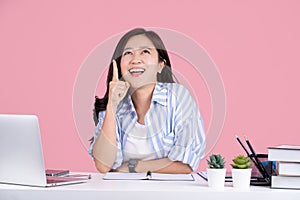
140,85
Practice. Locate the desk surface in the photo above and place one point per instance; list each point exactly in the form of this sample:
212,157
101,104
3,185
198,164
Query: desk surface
97,188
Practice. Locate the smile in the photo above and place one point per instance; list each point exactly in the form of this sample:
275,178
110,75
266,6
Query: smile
136,71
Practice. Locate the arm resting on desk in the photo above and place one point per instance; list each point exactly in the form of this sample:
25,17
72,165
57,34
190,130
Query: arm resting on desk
163,165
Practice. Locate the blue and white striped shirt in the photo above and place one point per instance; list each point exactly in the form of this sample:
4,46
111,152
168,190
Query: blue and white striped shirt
174,125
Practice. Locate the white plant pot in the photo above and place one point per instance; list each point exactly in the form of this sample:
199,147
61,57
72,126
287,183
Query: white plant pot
216,177
241,178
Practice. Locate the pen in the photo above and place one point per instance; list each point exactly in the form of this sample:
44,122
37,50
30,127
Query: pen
260,167
248,154
149,174
238,139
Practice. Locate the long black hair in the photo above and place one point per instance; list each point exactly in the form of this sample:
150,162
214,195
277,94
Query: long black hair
165,76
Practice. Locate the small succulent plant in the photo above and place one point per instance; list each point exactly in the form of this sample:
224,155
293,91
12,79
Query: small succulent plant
241,162
216,161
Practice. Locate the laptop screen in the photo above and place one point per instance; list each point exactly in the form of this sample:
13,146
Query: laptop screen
21,153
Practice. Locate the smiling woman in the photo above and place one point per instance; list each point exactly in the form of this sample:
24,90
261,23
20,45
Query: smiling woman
146,122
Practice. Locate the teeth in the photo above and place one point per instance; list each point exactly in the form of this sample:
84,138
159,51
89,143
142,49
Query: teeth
136,70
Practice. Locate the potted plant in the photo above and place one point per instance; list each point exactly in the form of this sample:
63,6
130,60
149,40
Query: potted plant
241,171
216,171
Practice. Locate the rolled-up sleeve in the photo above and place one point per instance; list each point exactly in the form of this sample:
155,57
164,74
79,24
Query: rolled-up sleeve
119,157
97,131
189,146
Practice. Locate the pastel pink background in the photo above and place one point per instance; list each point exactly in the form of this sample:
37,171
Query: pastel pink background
255,45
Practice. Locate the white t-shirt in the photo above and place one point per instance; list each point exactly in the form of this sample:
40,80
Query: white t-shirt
138,144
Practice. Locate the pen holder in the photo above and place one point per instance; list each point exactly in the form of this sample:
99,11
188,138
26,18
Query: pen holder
262,169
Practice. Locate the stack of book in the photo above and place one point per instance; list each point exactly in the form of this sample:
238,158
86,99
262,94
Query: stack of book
287,158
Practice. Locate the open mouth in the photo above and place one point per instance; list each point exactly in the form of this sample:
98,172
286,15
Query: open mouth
136,71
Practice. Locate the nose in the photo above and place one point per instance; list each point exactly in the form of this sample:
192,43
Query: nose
136,58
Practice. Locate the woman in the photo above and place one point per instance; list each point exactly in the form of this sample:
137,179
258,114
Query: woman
146,122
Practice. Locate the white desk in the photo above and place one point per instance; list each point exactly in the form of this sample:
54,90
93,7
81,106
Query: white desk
96,188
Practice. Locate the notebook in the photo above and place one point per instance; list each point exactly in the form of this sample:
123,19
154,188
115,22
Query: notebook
148,176
21,154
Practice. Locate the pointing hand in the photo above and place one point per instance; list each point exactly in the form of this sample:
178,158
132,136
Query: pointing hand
117,88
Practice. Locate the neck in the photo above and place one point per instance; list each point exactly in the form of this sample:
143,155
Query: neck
142,99
142,94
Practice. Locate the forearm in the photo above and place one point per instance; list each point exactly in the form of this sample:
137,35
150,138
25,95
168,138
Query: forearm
105,147
163,165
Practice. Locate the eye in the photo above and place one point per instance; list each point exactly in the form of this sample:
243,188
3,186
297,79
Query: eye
146,51
127,53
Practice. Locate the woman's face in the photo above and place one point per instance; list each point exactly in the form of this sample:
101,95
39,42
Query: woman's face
139,62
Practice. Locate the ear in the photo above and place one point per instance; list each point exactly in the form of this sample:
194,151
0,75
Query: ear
162,64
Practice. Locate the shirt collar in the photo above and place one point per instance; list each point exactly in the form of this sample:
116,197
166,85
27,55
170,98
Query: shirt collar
126,104
160,96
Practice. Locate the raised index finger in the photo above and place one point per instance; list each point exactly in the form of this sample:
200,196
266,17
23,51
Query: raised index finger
115,71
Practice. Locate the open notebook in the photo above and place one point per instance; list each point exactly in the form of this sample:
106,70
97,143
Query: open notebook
148,176
21,155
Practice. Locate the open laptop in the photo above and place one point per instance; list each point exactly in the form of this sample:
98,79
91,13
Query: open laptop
21,154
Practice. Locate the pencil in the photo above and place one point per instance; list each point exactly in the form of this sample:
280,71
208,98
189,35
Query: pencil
248,154
259,165
238,139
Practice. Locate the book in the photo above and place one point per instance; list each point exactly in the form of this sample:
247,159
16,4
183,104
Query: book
77,175
285,182
56,172
288,168
148,176
284,153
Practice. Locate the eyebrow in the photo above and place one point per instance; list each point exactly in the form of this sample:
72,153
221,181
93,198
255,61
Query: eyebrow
142,47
